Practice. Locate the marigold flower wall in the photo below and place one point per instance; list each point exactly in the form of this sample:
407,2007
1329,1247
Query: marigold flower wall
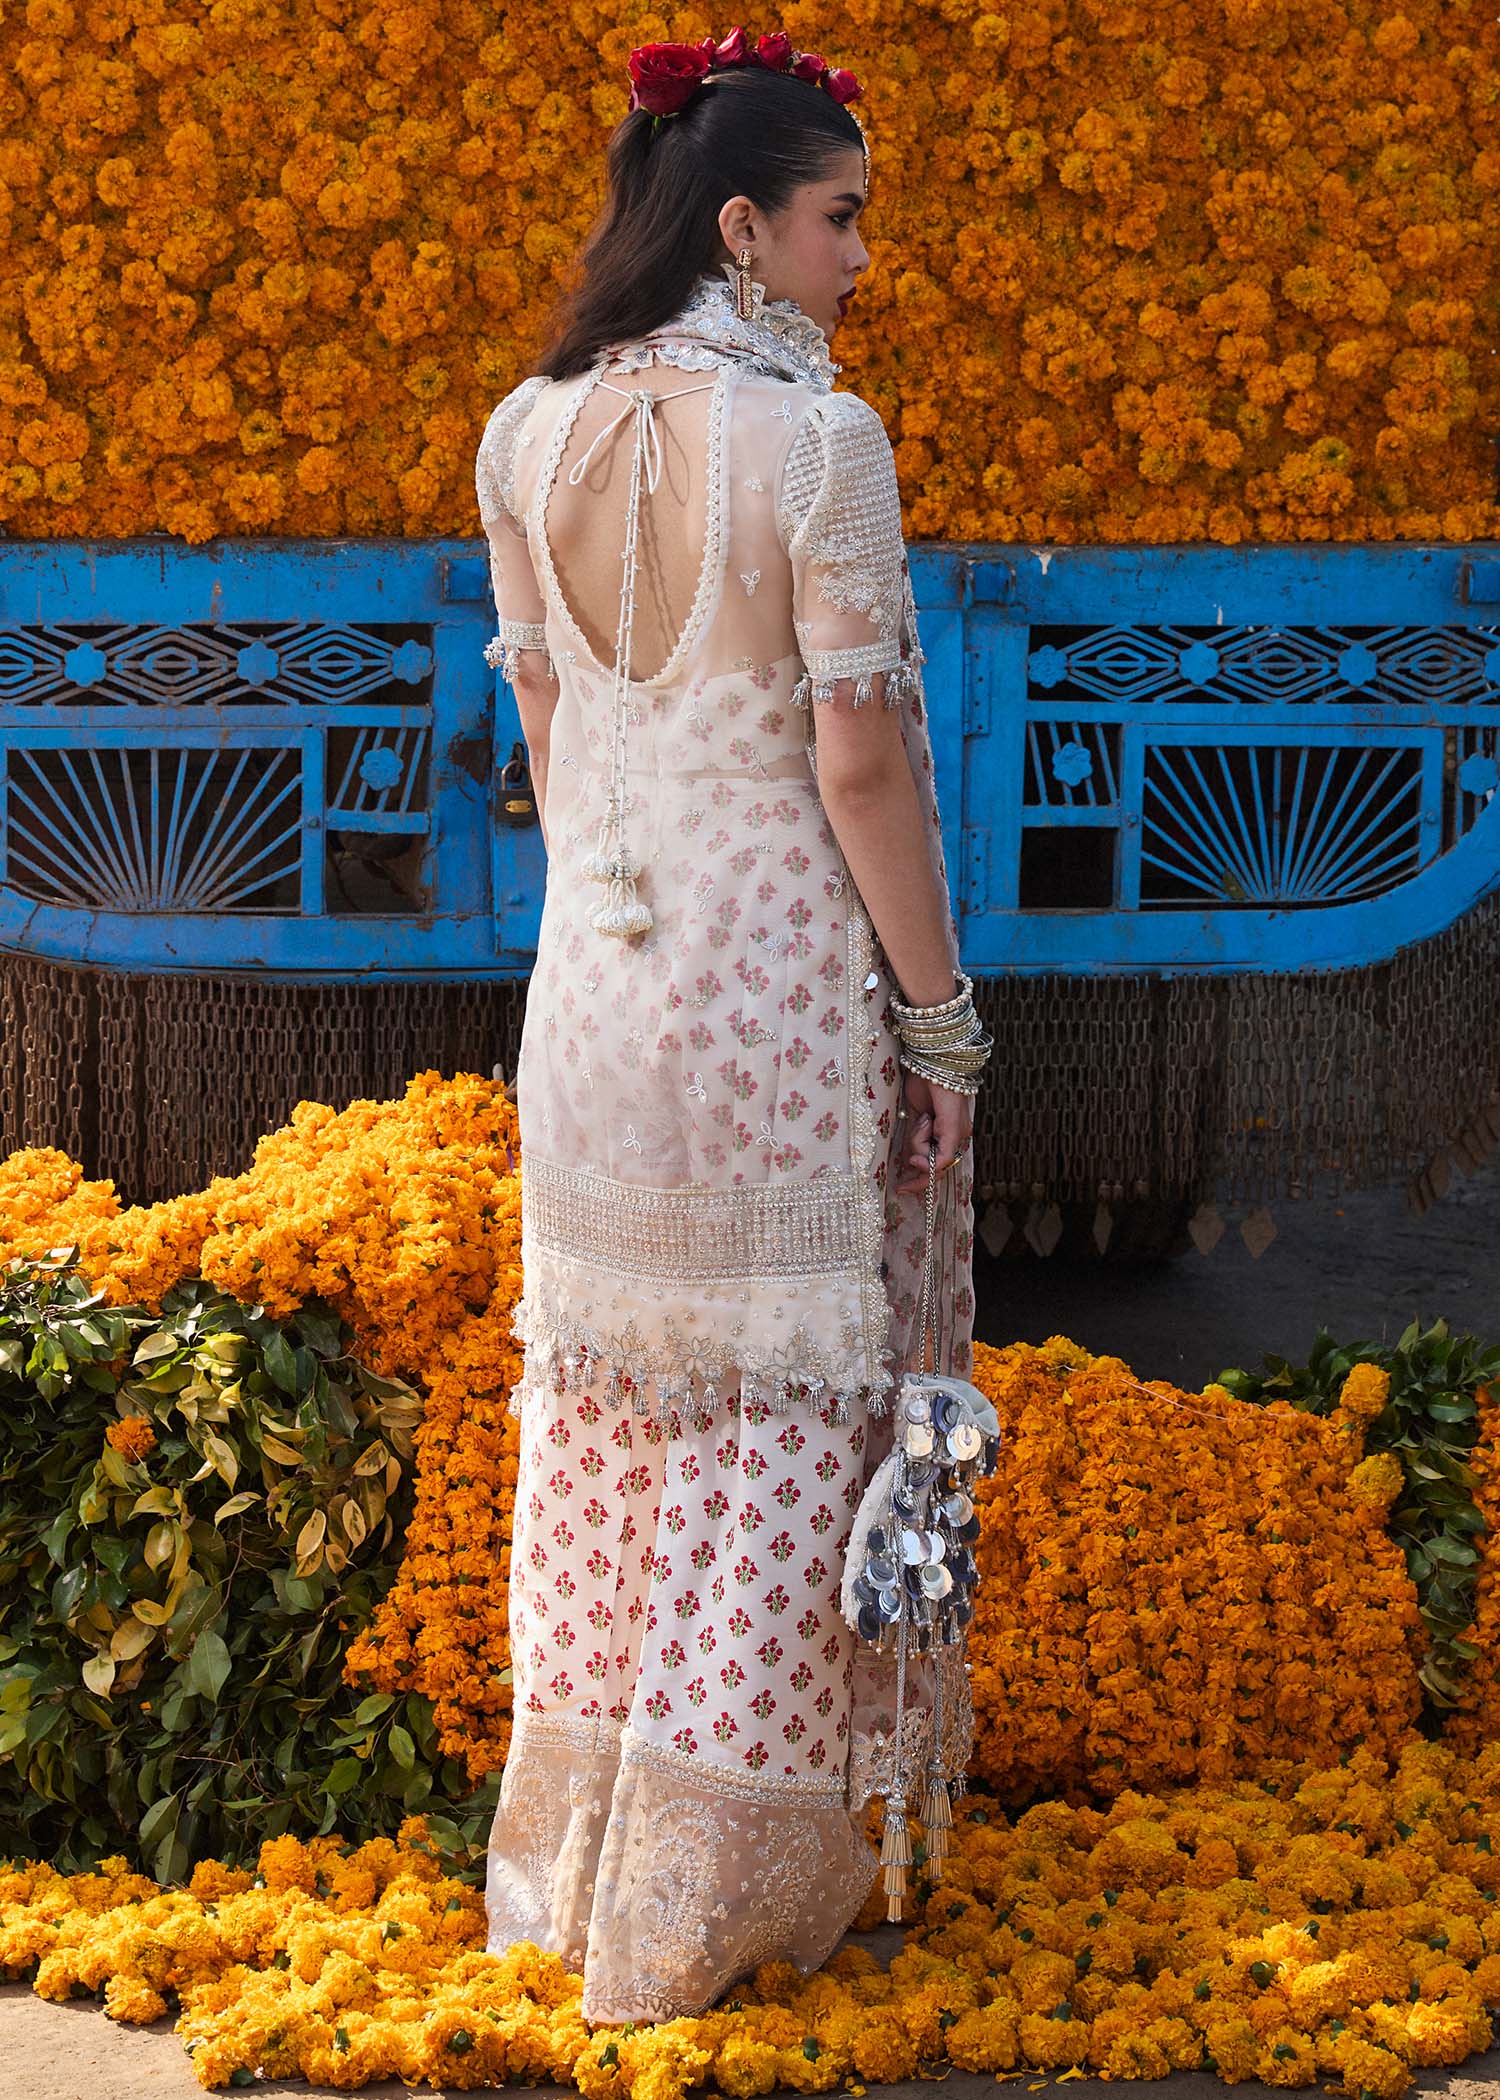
1139,1622
1141,272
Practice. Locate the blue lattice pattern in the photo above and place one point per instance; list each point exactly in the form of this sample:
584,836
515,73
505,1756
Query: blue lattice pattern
286,758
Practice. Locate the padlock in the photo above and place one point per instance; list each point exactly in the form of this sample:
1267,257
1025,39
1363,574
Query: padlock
515,799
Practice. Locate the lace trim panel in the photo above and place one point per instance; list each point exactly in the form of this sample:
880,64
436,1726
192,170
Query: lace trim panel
838,509
495,460
692,1235
677,1376
779,341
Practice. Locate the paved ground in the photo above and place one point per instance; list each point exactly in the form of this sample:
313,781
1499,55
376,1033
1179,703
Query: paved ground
1361,1267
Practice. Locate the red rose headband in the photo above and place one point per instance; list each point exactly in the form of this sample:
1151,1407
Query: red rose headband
664,76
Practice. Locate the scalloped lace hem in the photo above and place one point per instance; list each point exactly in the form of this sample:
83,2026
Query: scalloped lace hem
685,1384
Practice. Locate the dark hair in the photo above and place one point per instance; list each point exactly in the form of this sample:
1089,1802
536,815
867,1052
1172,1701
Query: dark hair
747,131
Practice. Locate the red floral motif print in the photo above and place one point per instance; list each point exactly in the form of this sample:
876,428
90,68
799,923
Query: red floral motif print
726,1727
756,1756
762,1705
686,1742
776,1601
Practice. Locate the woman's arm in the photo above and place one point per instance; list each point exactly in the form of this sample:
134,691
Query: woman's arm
535,689
866,786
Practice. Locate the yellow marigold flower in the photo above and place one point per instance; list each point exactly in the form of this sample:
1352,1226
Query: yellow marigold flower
1365,1391
133,1436
1377,1480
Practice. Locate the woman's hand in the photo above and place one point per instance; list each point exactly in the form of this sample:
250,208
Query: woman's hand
934,1114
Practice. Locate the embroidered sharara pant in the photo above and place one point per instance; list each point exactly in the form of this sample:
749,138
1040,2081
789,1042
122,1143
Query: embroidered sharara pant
673,1808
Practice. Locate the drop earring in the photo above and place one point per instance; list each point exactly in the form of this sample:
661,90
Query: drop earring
744,304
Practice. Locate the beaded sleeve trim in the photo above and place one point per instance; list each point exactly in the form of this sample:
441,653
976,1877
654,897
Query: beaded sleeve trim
502,651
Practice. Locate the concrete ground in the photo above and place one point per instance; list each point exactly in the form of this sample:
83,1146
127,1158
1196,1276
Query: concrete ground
1360,1266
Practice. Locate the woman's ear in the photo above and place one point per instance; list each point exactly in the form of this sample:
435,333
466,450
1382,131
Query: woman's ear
737,223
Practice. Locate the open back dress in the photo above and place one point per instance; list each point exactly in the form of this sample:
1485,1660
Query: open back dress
719,1283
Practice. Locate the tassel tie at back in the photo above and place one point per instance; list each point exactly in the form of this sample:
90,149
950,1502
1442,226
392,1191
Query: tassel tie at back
622,913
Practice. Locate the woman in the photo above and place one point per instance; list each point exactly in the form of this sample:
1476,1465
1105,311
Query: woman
706,616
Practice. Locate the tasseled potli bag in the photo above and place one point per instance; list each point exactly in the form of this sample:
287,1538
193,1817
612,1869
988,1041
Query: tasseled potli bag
910,1570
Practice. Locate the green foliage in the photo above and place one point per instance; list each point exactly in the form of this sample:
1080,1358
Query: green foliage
1431,1421
173,1626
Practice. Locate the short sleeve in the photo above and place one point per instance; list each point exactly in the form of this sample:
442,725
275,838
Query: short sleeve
839,514
518,596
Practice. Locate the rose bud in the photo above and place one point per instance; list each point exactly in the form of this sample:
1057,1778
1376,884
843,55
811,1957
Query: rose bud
842,85
774,51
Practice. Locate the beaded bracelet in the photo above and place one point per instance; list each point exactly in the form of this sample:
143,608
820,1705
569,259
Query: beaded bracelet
940,1075
960,1001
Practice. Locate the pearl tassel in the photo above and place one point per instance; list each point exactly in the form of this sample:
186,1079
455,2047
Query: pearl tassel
622,913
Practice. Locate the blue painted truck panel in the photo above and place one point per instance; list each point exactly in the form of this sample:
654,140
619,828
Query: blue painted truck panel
287,757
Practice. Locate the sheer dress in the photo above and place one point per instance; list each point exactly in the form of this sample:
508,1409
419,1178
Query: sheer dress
719,1284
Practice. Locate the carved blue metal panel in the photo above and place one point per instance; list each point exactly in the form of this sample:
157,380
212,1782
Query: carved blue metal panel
1218,760
284,757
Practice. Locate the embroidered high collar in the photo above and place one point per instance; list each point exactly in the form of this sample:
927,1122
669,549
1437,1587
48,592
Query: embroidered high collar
779,340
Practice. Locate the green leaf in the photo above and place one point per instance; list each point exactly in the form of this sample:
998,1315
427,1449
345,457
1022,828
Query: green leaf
208,1665
279,1361
403,1749
152,1348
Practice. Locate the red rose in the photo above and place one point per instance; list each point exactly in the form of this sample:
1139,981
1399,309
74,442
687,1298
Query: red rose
811,65
662,76
774,51
842,85
735,49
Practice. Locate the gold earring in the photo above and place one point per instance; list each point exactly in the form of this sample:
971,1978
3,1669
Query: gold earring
744,304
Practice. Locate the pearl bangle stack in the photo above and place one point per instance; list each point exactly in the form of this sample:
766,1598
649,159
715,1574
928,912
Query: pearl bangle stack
948,1043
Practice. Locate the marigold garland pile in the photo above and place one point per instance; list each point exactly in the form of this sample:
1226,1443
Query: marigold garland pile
1141,272
1337,1923
1139,1622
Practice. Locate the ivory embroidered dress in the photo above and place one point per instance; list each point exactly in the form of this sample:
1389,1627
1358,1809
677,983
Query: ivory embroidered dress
719,1284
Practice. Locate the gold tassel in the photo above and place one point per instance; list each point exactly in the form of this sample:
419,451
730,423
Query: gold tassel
895,1856
937,1816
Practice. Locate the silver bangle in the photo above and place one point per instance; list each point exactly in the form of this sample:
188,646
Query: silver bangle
939,1075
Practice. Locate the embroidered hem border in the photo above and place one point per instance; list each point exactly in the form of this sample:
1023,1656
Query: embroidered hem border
678,1383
